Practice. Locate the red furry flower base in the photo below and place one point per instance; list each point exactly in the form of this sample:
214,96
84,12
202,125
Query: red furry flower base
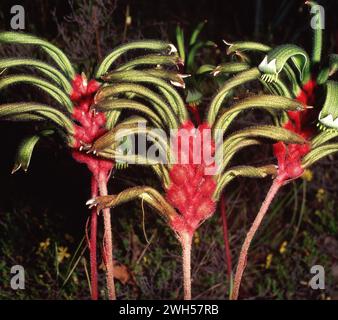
91,124
191,189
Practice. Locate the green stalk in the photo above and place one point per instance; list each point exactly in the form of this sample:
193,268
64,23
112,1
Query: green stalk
237,80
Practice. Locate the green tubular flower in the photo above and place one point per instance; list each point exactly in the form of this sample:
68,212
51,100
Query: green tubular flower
25,150
230,67
278,86
267,102
44,68
27,109
124,104
55,92
246,46
151,45
319,153
55,53
274,62
135,76
323,137
165,111
149,60
328,117
149,195
239,79
242,171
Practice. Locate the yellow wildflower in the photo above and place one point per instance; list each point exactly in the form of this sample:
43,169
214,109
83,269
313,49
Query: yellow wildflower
320,196
282,248
268,261
44,245
146,260
307,175
62,254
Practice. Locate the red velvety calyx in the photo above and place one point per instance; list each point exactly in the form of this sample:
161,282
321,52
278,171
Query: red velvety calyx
81,88
289,156
304,120
191,189
90,124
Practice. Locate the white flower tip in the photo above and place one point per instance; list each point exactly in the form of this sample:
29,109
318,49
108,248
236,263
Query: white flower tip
173,49
268,67
16,168
215,72
185,76
178,84
91,202
227,43
329,121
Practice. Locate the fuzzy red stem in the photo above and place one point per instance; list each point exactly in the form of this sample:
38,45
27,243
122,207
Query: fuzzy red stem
92,245
186,241
276,185
108,242
226,238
